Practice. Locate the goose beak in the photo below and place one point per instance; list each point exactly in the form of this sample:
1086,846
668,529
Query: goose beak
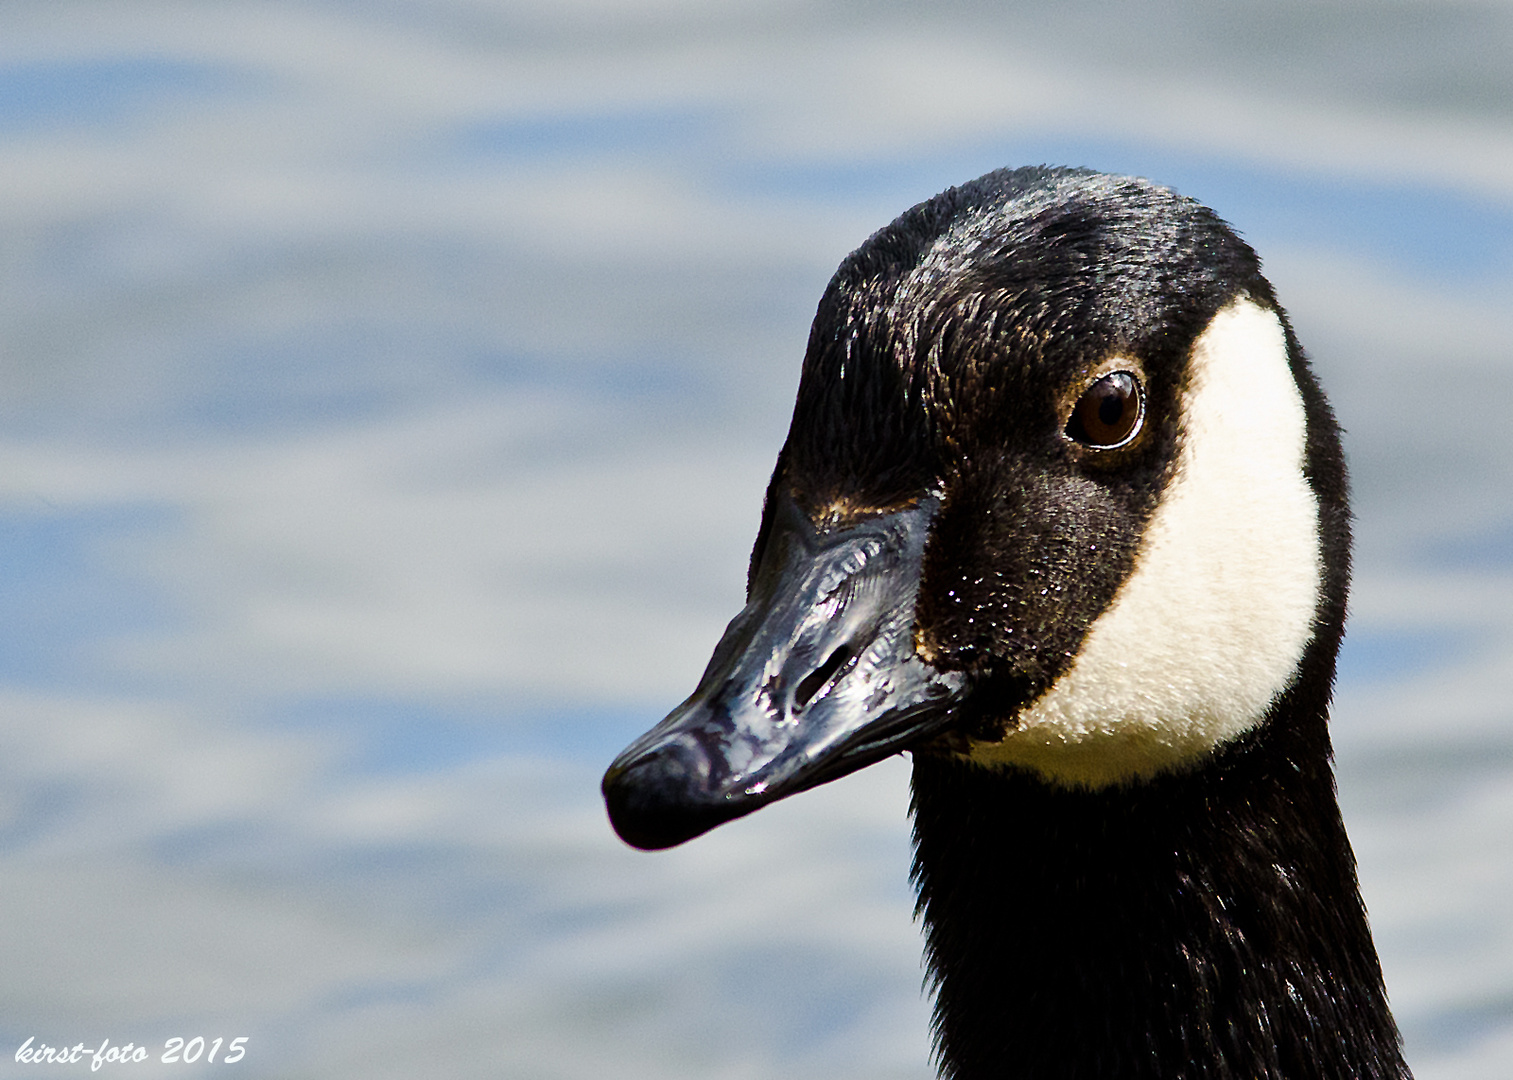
815,678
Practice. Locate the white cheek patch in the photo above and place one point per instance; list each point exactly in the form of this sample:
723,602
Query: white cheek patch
1210,626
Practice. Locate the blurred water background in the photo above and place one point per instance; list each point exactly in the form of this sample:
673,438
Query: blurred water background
387,392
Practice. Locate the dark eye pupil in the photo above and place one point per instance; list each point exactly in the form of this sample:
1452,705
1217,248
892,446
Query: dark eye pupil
1111,408
1109,412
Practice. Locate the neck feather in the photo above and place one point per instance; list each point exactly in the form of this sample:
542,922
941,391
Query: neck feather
1202,925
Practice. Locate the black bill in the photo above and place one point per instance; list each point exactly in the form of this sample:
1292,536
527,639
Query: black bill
815,678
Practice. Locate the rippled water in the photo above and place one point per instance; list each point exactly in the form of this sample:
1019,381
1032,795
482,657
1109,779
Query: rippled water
388,394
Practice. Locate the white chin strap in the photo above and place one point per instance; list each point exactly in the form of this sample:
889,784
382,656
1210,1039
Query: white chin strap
1209,628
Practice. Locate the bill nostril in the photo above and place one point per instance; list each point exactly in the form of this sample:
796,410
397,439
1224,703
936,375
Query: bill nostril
815,681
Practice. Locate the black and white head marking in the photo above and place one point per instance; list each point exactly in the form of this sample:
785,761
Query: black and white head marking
1208,628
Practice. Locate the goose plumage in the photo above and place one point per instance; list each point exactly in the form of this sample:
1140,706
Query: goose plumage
1063,512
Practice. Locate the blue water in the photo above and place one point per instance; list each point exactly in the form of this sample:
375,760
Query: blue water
47,96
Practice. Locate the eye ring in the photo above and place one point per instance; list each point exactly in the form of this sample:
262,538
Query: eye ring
1110,413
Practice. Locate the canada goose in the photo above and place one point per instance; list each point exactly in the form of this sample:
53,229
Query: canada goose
1063,512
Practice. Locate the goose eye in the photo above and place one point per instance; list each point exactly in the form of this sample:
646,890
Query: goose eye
1109,413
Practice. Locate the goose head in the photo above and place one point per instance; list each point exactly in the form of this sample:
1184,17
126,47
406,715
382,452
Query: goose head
1060,497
